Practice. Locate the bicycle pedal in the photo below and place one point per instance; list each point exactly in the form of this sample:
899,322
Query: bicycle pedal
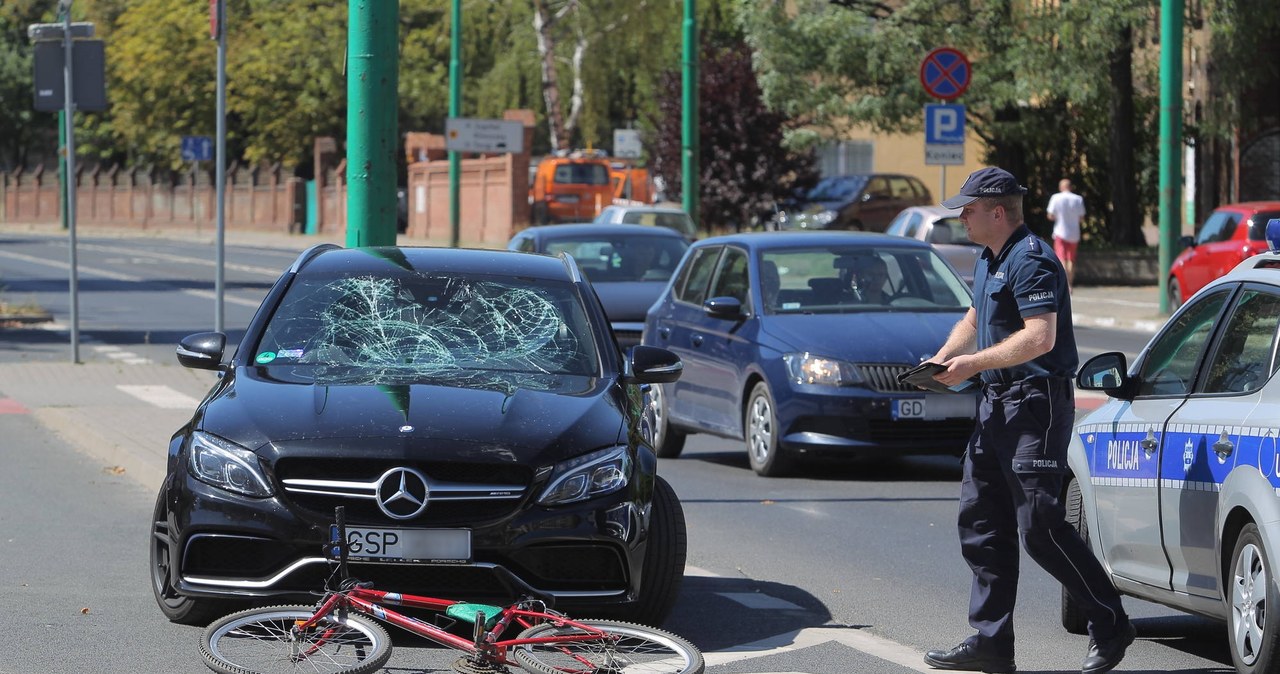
466,666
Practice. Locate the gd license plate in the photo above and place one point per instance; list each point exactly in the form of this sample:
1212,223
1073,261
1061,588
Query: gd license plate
909,408
428,546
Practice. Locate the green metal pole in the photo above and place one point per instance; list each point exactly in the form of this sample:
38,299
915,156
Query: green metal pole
372,103
1170,139
62,165
689,184
455,109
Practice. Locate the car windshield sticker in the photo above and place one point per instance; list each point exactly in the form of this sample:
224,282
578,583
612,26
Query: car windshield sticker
265,357
289,353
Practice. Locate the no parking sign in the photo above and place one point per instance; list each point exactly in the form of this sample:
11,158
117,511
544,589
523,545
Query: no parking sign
945,73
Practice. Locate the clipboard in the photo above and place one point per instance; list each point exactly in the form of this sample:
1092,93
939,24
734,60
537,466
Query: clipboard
921,376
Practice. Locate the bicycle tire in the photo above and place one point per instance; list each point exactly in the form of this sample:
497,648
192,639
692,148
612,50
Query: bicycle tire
259,641
638,649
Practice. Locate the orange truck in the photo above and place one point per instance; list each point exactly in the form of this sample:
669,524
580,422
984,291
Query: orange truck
569,189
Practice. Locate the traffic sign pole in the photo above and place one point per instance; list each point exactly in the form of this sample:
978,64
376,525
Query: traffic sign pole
945,73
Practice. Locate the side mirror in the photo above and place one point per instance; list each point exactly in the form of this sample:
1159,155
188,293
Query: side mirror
653,365
1187,242
1106,372
202,351
728,308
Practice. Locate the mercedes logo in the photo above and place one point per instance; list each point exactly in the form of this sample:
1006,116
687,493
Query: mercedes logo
402,493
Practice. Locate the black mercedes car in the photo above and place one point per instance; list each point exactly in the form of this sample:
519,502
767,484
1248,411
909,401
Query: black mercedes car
469,410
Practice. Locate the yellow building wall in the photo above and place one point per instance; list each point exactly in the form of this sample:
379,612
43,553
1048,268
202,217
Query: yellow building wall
904,153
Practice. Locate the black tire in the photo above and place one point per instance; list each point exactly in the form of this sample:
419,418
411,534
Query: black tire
177,608
668,442
261,640
1073,617
1175,294
1253,636
653,649
760,423
664,558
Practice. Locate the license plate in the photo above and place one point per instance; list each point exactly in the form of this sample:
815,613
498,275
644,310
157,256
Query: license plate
935,407
430,546
909,408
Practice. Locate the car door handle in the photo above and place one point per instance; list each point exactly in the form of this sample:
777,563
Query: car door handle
697,340
1224,447
1150,442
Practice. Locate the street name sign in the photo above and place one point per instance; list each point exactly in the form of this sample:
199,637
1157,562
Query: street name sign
462,134
626,144
944,155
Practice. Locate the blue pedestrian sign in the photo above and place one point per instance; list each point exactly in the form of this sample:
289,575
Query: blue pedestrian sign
197,148
943,124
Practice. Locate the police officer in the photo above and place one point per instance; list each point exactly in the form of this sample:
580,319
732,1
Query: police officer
1018,335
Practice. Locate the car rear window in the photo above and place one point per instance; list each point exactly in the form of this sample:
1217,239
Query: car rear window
428,326
581,174
623,258
1258,224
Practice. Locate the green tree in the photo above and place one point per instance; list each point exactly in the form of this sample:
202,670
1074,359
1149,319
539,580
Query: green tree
22,129
1041,95
744,169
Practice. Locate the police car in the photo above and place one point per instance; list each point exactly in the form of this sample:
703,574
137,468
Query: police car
1175,481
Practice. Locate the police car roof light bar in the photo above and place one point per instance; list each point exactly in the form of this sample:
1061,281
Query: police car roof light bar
1273,234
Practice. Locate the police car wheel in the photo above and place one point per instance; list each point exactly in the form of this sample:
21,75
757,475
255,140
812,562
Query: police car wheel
1073,617
1252,631
766,458
668,442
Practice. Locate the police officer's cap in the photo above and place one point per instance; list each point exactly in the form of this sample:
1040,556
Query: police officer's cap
988,182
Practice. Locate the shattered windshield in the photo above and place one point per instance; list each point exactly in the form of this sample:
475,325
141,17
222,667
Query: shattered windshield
429,327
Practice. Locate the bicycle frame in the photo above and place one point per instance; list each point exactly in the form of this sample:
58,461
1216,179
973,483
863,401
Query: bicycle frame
486,645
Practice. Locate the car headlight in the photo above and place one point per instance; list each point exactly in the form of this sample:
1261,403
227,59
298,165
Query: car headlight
587,476
806,368
227,466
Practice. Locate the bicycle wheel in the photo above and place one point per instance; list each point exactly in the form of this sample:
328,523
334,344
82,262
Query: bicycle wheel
262,641
627,648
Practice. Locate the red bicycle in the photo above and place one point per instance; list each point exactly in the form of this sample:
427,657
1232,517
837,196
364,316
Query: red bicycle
340,635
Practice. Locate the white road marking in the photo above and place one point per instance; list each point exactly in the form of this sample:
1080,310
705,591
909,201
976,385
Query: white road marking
81,269
160,396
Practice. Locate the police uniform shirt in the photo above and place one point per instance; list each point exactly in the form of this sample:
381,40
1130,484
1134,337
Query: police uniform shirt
1024,280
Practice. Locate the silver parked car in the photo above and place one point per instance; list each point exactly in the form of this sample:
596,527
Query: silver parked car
1175,482
942,228
659,216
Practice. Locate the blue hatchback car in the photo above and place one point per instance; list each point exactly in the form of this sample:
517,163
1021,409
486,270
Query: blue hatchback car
793,342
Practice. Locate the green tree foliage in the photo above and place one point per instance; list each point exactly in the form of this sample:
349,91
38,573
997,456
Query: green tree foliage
22,129
161,71
744,168
1040,93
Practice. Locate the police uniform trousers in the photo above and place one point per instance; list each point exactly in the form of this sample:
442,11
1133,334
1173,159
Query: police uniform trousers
1013,477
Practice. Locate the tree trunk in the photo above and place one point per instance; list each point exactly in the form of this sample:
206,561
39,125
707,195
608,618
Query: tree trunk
1125,227
543,22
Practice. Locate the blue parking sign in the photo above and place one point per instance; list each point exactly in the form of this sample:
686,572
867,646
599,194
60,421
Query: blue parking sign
943,124
197,148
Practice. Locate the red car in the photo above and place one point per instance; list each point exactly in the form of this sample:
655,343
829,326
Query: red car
1231,234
